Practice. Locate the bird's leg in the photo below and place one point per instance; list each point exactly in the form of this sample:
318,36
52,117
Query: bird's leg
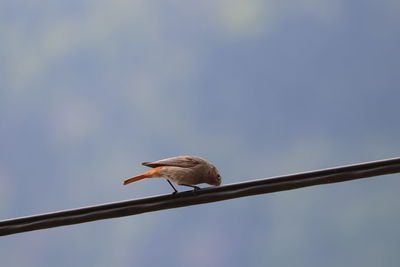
195,188
175,191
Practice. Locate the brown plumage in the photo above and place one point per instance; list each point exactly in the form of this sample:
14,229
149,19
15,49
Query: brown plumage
183,170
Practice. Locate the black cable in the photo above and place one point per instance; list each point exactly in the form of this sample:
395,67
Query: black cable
205,195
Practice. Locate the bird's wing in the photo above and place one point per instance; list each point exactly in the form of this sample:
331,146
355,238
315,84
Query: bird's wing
181,161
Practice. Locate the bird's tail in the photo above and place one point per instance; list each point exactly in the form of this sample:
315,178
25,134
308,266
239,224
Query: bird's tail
152,173
136,178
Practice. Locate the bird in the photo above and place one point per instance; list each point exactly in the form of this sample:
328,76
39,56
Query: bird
182,170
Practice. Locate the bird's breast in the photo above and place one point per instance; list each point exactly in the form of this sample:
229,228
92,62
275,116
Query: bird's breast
181,175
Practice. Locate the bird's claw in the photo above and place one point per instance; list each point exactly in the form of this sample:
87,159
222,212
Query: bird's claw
195,189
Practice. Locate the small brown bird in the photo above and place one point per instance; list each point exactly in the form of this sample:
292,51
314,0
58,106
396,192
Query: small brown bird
183,170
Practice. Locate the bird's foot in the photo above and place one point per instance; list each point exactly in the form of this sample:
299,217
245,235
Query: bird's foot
195,188
173,187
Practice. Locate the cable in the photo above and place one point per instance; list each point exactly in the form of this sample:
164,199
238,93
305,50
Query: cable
205,195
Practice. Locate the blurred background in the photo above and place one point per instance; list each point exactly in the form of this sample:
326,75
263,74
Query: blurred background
89,89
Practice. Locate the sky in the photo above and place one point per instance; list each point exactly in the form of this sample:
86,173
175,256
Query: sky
89,89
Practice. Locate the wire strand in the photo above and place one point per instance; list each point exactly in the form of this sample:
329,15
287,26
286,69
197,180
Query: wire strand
205,195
